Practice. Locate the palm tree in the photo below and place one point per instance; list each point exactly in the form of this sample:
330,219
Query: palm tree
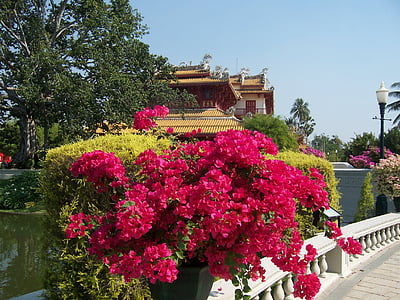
395,106
301,119
300,110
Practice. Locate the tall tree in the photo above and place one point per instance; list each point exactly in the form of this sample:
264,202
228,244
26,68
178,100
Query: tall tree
361,143
392,140
76,63
395,106
274,128
332,146
300,118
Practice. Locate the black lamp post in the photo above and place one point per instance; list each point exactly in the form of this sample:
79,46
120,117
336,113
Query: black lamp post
381,95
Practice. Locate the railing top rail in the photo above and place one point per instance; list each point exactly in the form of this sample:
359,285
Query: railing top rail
368,226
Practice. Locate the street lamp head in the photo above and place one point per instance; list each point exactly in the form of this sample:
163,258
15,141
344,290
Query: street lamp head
382,94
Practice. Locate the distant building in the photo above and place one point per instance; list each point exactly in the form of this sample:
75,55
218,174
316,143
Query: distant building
223,100
242,94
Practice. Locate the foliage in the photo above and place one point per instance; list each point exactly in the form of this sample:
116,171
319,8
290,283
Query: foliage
76,63
72,273
386,176
20,190
366,203
395,106
274,128
368,158
300,118
361,143
9,137
392,140
304,162
169,217
332,146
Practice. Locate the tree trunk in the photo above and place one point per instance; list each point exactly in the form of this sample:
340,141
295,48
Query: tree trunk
29,143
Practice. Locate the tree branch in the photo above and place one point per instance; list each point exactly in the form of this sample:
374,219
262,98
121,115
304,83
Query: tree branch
57,31
22,31
21,42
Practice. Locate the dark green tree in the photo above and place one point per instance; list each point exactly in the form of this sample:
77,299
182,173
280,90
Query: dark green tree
9,137
395,106
332,146
275,128
361,143
300,118
76,63
392,140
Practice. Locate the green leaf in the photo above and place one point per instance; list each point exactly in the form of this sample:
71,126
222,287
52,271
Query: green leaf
180,254
128,203
235,281
238,294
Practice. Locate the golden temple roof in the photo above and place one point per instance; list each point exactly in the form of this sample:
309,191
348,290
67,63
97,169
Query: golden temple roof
210,121
199,80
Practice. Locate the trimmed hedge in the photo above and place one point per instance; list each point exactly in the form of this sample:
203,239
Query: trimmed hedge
304,162
366,203
72,273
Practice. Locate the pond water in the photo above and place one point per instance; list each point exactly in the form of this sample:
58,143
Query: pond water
21,265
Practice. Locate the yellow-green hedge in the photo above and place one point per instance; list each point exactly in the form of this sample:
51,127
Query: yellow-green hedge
72,273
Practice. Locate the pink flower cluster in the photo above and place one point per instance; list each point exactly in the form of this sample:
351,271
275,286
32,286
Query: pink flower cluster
368,158
220,202
102,169
349,245
312,151
144,119
306,286
386,176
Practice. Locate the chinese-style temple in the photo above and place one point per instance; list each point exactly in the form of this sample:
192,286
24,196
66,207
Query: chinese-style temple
223,100
241,93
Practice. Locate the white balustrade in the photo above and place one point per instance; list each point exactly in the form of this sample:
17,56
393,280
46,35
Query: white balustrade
373,234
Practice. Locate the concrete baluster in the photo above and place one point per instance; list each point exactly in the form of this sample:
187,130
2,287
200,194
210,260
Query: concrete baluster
368,243
383,234
288,288
378,239
373,241
388,235
278,293
363,244
315,267
267,294
323,266
393,233
397,230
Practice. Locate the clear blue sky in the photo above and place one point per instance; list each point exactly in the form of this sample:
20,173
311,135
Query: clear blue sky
333,54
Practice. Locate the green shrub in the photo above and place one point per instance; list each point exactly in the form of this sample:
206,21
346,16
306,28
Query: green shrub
19,190
72,273
304,162
366,203
275,128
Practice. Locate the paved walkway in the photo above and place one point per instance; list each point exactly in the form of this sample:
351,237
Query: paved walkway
377,279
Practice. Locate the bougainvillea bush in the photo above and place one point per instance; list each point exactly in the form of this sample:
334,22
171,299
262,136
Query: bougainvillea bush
368,158
219,202
312,151
386,176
